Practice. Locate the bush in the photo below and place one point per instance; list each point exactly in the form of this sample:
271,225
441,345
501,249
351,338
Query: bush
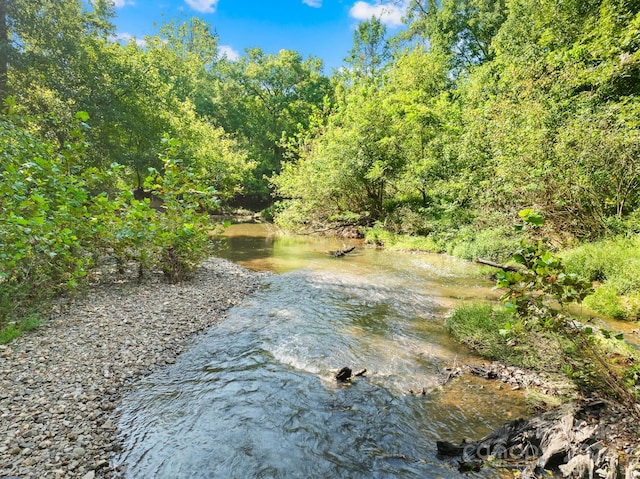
55,223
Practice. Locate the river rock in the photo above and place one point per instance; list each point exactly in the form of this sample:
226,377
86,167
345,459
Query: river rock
60,384
569,440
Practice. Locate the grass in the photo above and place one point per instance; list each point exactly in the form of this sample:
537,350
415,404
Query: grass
494,244
467,243
592,361
12,330
478,327
394,241
614,266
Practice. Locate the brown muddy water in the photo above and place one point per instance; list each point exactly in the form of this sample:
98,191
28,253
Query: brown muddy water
255,396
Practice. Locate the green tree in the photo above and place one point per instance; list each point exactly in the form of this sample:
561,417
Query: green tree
426,118
5,46
462,28
562,105
347,165
260,98
186,56
371,50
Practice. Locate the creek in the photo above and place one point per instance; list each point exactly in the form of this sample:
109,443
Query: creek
255,397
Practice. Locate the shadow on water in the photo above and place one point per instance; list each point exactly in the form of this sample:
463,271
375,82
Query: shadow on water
255,397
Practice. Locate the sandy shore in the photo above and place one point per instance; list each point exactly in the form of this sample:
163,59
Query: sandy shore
60,385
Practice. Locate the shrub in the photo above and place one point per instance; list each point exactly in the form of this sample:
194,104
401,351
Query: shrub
55,223
46,229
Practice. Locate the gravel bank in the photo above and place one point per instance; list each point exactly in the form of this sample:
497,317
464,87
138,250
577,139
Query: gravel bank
60,385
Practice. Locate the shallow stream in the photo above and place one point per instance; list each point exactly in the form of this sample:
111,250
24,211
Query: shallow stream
255,397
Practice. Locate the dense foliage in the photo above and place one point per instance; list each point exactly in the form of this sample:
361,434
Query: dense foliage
514,104
476,110
58,222
119,151
536,328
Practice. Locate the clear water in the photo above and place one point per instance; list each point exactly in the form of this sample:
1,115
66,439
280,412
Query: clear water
256,397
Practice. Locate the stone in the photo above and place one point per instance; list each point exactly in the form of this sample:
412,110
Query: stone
55,400
78,452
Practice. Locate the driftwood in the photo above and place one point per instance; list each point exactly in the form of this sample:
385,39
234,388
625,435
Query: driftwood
345,374
341,252
448,374
503,267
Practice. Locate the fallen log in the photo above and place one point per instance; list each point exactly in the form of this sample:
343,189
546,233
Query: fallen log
341,252
503,267
345,374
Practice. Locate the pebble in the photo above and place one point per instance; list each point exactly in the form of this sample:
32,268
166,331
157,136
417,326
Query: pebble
77,452
60,384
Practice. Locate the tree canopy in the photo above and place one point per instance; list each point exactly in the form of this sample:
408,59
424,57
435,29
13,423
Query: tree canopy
476,110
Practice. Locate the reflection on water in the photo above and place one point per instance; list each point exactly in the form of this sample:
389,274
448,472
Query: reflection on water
255,397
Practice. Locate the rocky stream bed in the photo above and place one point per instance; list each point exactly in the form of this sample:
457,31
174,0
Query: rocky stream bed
60,385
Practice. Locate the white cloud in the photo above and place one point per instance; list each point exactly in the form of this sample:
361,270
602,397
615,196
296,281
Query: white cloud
313,3
203,6
389,13
127,37
229,52
122,3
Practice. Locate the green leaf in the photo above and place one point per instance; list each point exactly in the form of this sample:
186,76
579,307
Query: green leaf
82,116
525,213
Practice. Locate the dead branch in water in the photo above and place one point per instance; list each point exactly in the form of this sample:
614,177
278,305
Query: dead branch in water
503,267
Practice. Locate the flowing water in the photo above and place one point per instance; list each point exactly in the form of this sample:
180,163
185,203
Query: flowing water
255,397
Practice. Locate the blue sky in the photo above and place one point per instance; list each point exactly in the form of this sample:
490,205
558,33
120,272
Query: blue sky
321,28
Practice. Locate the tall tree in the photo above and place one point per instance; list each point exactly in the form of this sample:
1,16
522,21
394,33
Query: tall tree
462,28
371,50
